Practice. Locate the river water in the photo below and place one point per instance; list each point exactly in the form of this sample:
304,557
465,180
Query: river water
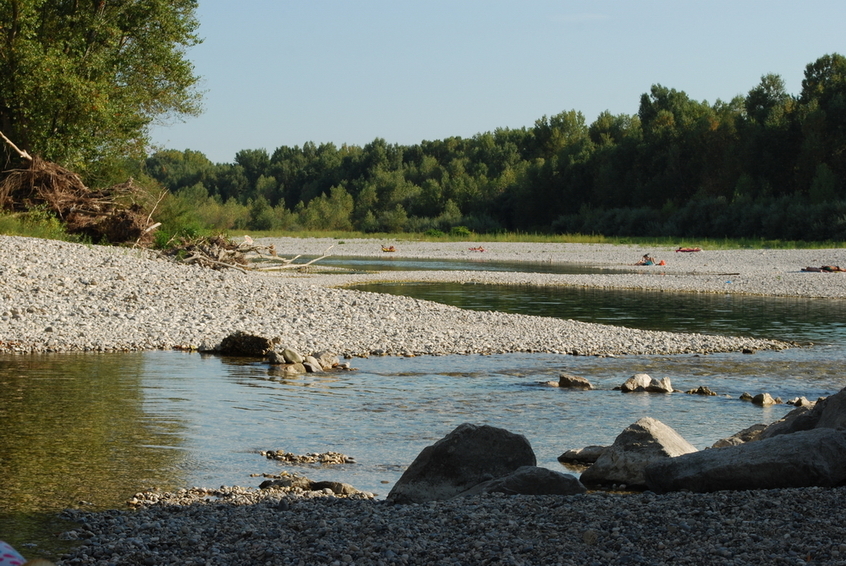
88,430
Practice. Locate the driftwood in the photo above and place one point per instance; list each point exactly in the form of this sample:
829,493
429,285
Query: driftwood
219,252
112,214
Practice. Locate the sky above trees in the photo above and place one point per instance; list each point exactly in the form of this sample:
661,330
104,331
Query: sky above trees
284,73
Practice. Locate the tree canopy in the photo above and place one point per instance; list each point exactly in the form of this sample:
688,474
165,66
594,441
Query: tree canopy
81,81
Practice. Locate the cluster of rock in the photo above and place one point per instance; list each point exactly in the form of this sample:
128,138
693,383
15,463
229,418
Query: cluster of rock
283,360
472,460
326,458
638,383
644,383
298,484
805,448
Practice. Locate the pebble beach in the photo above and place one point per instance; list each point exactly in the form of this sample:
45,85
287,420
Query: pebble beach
63,297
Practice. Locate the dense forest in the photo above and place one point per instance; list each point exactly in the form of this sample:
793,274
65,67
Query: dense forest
767,165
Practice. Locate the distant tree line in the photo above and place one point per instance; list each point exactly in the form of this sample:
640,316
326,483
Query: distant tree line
767,165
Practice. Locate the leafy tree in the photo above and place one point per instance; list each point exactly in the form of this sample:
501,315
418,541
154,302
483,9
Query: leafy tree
254,162
762,100
83,81
176,169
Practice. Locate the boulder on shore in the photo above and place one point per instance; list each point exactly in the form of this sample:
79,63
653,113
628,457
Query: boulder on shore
582,456
530,480
801,459
466,457
636,447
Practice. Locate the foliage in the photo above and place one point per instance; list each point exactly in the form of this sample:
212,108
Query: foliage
767,165
36,223
81,82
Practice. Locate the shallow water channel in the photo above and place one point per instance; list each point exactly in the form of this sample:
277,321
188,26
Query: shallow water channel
91,430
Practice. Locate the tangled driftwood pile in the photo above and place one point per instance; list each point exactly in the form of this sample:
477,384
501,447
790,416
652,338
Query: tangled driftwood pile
219,252
113,214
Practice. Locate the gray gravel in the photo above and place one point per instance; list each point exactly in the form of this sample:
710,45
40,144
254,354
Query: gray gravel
234,526
752,272
60,297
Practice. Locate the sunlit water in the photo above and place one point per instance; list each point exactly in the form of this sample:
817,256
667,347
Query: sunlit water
91,430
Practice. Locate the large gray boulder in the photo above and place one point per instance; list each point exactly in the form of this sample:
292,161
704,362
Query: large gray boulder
801,459
746,435
467,456
831,411
639,445
530,480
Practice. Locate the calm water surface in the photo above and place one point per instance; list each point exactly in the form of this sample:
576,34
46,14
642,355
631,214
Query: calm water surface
91,430
479,263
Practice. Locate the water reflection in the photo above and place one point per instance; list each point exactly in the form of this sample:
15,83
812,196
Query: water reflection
479,263
75,432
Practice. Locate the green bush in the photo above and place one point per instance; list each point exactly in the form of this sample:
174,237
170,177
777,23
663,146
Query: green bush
460,232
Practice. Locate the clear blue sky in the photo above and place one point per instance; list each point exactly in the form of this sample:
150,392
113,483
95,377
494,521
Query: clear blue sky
284,72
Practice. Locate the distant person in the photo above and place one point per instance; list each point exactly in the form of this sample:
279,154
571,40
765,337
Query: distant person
646,260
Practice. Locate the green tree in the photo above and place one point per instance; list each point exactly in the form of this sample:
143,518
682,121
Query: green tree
83,81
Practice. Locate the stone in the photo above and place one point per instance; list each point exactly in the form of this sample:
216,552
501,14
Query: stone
800,418
530,480
701,390
763,399
311,367
328,360
746,435
635,382
643,382
467,456
275,357
568,381
586,455
305,484
745,396
292,356
662,386
636,447
832,411
285,370
801,459
244,344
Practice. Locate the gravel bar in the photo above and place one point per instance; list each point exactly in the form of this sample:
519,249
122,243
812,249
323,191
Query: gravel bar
65,297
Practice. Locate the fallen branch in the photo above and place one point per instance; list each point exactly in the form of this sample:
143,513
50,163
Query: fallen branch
23,154
290,265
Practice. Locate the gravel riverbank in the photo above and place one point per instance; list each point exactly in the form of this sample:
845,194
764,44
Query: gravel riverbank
60,297
237,526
